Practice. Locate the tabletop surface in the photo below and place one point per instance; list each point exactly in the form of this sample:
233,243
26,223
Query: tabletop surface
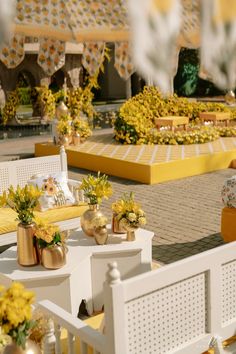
79,246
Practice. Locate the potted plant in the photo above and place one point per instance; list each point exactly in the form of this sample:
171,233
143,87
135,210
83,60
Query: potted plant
81,130
64,131
23,201
16,318
51,245
129,215
95,189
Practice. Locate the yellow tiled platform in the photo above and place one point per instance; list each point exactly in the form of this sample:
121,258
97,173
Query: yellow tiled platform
146,163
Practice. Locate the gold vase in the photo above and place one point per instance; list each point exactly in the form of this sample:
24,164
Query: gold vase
76,139
230,97
130,235
61,110
116,228
100,235
53,257
87,217
64,140
30,348
26,247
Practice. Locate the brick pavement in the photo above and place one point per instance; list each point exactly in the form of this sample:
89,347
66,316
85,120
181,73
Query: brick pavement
184,214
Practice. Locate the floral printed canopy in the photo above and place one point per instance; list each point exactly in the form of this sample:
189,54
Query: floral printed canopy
158,29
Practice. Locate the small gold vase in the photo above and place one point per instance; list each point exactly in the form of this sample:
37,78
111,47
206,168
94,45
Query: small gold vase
87,217
130,235
76,139
116,228
100,234
64,140
30,348
53,257
26,247
230,97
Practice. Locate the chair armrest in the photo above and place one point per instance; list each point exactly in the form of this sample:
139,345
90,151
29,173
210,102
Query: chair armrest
74,188
74,325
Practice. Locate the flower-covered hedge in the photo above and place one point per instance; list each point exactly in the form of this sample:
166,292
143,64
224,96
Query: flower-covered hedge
136,121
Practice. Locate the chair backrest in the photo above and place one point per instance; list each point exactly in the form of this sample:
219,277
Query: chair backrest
176,309
20,171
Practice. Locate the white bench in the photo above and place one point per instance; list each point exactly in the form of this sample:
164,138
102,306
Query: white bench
20,171
182,308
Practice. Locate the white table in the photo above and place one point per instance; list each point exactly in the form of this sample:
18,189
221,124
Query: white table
84,273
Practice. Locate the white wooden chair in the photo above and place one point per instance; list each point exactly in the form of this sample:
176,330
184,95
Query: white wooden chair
182,308
20,171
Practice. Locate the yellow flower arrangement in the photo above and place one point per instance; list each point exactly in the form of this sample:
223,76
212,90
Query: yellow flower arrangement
64,128
99,221
128,212
137,116
96,188
22,200
80,126
16,312
48,234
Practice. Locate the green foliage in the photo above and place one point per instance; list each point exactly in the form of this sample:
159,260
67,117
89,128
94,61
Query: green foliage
24,95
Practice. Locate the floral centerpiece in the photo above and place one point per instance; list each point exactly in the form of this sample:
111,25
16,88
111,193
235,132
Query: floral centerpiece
16,313
64,130
23,201
51,243
95,189
129,214
82,128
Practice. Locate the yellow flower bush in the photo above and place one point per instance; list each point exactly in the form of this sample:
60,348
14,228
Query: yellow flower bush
137,115
128,212
64,128
9,110
96,188
48,234
16,312
47,101
22,200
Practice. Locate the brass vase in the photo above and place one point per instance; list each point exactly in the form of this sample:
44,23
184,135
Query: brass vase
100,234
64,140
53,257
230,97
87,217
26,247
76,139
30,348
61,110
130,235
116,228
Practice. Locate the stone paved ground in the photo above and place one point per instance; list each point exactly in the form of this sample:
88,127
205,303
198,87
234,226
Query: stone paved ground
184,214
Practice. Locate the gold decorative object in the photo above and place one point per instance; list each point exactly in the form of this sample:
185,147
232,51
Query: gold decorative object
76,138
64,140
116,228
61,110
230,97
130,236
26,249
87,218
30,348
53,257
100,234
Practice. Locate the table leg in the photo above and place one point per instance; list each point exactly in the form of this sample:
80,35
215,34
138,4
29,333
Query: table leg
172,128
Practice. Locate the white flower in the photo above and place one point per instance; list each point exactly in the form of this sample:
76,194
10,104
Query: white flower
131,217
142,220
141,212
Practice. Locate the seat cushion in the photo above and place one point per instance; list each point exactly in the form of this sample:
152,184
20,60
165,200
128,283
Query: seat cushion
228,224
8,222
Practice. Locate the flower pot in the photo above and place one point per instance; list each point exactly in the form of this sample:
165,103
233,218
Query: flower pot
30,348
87,217
53,257
61,110
64,140
130,235
76,139
116,228
100,235
26,247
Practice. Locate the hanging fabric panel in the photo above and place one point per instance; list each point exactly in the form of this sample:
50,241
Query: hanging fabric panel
123,60
51,56
156,26
12,52
218,42
189,36
93,56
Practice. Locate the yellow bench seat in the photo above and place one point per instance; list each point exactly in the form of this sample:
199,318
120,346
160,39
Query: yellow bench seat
8,222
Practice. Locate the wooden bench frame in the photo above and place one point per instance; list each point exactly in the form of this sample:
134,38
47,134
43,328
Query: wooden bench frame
182,308
172,122
20,171
215,117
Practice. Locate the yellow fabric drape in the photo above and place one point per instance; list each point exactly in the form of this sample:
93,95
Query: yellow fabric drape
225,11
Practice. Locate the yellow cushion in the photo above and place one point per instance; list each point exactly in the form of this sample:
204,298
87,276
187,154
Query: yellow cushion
8,222
93,322
228,224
